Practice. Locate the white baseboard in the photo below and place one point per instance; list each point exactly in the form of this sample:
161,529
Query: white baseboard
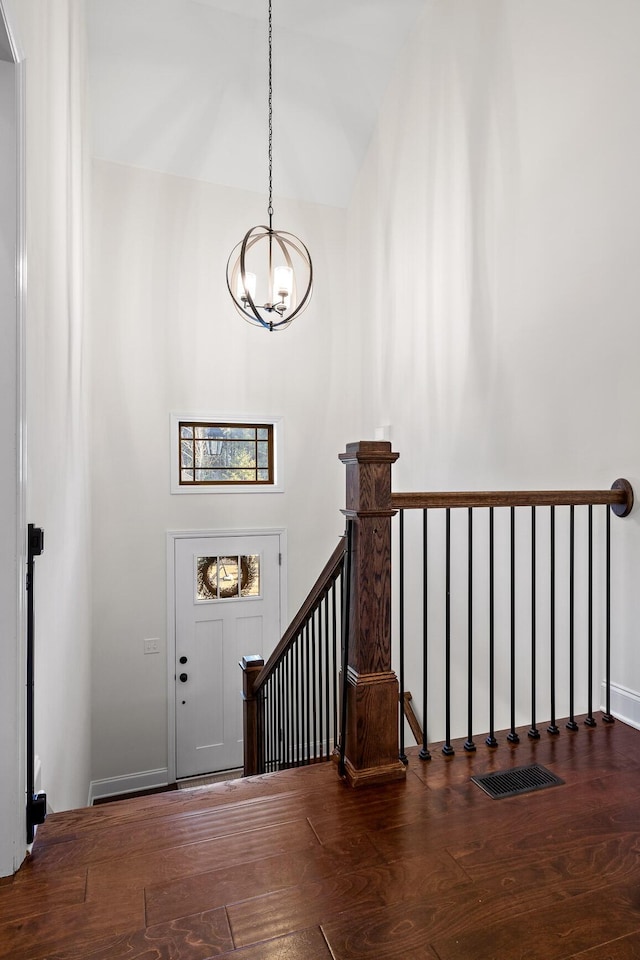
625,704
130,783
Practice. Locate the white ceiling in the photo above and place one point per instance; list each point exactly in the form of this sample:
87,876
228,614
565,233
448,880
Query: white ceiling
181,86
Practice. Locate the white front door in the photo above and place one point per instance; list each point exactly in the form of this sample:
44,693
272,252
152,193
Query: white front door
227,605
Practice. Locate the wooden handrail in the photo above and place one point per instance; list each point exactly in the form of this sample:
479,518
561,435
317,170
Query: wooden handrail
619,497
329,573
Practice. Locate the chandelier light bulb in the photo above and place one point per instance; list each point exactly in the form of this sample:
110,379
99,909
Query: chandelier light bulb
246,288
283,282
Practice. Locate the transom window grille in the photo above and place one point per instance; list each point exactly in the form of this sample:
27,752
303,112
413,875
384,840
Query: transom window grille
225,453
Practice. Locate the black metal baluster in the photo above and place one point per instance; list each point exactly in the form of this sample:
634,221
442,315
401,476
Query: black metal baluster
324,753
295,732
275,709
512,736
283,722
312,699
280,715
303,749
297,680
280,712
322,673
337,657
571,723
590,721
261,731
306,697
287,707
402,754
345,647
552,728
293,697
290,731
448,749
469,745
271,700
263,747
296,698
285,716
283,760
314,687
534,733
275,729
264,693
301,684
304,693
424,752
266,739
286,711
607,716
491,739
330,665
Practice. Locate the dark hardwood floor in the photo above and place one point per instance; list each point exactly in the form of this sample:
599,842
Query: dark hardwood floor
296,866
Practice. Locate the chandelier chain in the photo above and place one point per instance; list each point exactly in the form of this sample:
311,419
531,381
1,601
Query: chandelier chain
270,207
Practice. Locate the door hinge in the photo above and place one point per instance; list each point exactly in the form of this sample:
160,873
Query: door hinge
279,559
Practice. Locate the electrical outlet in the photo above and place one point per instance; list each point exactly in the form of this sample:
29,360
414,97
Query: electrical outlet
152,645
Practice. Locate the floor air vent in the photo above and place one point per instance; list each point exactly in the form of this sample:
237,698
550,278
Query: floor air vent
508,783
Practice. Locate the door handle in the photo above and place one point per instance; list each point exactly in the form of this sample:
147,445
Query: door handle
183,677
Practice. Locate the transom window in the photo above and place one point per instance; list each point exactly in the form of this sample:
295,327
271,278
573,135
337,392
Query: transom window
214,453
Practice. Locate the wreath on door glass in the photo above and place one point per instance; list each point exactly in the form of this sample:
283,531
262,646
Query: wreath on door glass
210,568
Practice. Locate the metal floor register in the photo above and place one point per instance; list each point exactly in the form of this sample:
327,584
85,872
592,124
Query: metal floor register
509,783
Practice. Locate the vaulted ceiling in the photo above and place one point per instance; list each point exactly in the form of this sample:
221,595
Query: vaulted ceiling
181,86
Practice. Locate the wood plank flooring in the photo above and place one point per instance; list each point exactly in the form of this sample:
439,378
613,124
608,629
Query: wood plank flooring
296,866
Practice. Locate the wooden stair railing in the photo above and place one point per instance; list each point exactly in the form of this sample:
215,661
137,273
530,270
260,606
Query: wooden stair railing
372,735
540,566
290,703
371,741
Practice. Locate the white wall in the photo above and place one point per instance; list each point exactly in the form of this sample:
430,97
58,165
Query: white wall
166,338
493,248
491,319
57,494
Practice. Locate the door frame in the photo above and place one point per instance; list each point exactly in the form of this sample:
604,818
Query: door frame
13,842
172,537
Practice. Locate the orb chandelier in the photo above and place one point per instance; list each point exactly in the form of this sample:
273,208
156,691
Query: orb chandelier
280,259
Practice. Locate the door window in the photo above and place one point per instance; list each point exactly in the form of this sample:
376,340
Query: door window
228,578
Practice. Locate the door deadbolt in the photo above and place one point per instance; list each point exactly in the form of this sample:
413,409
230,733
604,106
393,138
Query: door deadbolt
183,659
183,677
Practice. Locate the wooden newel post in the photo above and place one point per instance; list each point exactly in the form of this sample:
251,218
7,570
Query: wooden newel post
252,719
371,737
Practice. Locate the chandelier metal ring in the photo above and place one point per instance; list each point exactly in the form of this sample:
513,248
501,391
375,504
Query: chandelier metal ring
276,312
